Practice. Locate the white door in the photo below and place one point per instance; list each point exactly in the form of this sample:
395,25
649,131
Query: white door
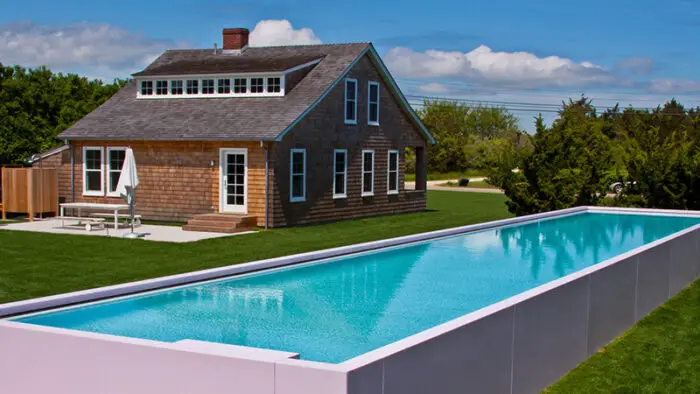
233,190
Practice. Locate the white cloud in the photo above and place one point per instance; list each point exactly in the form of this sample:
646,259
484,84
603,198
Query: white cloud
281,32
674,85
433,88
101,50
507,68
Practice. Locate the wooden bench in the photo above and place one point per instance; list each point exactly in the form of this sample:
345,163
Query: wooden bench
125,216
88,222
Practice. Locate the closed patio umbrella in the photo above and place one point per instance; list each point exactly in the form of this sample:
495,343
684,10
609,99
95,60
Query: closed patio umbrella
126,187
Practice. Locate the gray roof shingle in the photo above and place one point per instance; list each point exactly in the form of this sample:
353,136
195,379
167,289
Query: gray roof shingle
240,118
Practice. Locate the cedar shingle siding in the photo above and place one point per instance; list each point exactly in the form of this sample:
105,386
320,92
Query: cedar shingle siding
321,132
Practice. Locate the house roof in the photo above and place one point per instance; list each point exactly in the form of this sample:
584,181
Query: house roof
124,117
187,62
47,153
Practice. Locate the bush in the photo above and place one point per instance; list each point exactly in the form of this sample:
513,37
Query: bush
463,182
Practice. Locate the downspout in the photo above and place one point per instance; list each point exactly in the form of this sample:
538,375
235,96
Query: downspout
72,171
267,180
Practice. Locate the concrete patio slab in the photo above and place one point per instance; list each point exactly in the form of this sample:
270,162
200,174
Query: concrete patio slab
153,232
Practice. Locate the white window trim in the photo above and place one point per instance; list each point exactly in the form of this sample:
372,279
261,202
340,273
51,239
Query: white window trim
101,192
291,176
371,192
388,171
345,174
345,102
369,102
216,78
108,166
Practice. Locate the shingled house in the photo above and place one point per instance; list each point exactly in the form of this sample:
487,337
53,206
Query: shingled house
241,136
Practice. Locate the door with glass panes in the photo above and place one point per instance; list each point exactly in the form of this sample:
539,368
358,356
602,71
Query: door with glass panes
233,192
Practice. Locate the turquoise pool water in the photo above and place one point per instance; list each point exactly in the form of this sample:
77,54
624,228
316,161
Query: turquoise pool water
336,310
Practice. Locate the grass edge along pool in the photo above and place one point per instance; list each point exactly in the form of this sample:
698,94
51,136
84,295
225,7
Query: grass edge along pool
396,318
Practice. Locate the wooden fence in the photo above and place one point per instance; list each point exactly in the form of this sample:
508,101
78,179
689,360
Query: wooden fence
29,190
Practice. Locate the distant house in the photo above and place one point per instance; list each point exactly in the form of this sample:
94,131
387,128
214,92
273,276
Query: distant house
279,136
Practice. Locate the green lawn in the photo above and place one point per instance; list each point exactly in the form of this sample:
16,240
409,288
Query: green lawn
36,264
661,354
442,176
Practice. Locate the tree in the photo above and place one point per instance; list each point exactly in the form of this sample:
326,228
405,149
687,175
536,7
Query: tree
566,167
467,136
36,105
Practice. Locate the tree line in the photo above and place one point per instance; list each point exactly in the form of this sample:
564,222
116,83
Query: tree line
655,154
37,104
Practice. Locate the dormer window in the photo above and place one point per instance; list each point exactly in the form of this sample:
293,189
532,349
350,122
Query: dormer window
256,85
240,85
273,85
207,86
213,86
176,88
161,88
192,86
224,86
146,88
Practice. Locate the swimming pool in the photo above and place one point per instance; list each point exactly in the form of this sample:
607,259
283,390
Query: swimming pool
337,309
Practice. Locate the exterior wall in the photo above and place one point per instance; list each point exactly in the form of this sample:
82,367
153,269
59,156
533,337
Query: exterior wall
53,161
526,343
177,180
324,130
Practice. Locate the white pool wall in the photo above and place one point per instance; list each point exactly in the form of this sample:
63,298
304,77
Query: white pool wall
519,345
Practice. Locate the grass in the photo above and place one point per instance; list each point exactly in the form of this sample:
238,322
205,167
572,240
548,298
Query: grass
39,264
661,354
443,176
476,185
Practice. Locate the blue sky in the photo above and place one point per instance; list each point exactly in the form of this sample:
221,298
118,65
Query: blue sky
637,53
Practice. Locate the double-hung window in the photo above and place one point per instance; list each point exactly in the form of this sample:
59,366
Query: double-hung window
350,101
115,162
340,173
367,173
93,171
297,175
373,104
192,86
393,172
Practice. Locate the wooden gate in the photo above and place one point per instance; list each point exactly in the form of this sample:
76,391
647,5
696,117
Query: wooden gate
29,190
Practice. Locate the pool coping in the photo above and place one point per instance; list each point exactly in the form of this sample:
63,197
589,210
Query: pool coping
364,362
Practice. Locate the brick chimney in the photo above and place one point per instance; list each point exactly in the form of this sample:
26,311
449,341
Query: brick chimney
235,39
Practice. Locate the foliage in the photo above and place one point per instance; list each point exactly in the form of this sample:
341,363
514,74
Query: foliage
36,105
656,154
468,137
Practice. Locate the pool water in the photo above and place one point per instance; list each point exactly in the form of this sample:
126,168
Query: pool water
336,310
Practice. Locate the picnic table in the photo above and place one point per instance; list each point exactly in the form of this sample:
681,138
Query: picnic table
85,206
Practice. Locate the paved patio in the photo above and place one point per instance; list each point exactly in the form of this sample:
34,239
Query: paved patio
153,232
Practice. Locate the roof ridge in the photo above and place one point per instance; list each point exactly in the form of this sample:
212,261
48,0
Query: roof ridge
277,46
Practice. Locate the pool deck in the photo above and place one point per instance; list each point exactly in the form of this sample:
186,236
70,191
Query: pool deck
152,232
